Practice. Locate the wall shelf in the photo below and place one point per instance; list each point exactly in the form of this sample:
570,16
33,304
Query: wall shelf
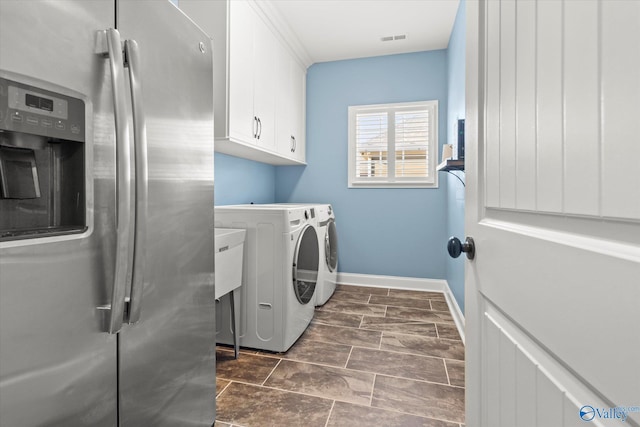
451,165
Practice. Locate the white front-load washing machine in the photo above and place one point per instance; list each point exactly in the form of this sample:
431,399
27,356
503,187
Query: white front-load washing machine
325,223
280,272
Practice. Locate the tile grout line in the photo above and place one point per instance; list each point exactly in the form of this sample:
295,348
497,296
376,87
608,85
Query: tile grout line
224,388
446,369
330,411
360,327
386,309
348,357
271,373
429,356
364,304
373,386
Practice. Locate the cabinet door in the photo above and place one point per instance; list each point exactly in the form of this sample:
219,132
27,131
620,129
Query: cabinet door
298,102
284,103
264,45
241,70
290,106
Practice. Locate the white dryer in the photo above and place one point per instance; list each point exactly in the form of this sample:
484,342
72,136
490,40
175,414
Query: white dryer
280,274
326,224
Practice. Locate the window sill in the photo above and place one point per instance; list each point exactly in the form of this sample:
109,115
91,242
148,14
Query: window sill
401,184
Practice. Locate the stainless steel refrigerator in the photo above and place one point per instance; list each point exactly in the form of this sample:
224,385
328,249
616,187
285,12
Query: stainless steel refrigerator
106,215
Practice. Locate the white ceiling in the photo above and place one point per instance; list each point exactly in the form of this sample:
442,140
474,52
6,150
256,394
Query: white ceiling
331,30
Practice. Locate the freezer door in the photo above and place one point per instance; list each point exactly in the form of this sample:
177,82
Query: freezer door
167,358
57,366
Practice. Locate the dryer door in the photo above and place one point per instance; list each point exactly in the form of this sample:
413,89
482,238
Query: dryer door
331,246
305,265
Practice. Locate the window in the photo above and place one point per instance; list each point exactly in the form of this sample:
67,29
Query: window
393,145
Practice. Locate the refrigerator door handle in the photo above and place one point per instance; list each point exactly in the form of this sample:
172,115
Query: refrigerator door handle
132,60
109,44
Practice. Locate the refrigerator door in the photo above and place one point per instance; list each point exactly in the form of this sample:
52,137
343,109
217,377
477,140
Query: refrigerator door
167,358
57,366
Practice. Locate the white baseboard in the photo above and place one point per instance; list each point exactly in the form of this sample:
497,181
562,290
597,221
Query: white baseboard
410,283
395,282
458,317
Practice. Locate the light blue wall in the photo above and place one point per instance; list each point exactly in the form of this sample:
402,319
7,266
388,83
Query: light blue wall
455,111
243,181
399,232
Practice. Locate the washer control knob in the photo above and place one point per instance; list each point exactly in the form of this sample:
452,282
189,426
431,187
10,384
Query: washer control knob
306,214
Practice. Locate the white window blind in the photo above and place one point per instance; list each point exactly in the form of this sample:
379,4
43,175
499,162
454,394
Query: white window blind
372,144
393,145
412,143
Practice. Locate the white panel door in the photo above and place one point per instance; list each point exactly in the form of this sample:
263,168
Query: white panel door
553,204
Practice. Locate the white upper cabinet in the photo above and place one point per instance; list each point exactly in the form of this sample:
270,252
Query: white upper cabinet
259,85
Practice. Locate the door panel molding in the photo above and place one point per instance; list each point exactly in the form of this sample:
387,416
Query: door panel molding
557,394
628,252
559,112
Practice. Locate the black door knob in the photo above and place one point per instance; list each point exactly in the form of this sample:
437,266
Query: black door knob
456,247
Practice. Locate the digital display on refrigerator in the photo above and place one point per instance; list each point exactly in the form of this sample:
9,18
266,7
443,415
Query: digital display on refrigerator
38,102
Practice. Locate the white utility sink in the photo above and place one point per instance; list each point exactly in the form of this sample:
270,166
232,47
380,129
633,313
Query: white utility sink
229,248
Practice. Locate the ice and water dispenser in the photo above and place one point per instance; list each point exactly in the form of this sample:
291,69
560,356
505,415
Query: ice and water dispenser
42,162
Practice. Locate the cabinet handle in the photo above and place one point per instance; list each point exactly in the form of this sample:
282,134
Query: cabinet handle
255,127
259,128
293,144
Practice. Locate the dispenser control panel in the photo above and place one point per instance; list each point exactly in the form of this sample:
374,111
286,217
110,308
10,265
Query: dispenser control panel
41,112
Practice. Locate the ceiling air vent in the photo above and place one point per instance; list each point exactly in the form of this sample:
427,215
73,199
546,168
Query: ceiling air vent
394,38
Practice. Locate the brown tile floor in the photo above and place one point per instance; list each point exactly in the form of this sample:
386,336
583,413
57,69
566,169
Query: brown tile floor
371,356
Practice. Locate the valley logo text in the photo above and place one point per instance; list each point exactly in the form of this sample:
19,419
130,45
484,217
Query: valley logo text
589,413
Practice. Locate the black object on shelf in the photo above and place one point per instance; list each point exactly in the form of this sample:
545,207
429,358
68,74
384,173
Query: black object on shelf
461,139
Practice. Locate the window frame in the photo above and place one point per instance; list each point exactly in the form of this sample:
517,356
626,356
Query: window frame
431,181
